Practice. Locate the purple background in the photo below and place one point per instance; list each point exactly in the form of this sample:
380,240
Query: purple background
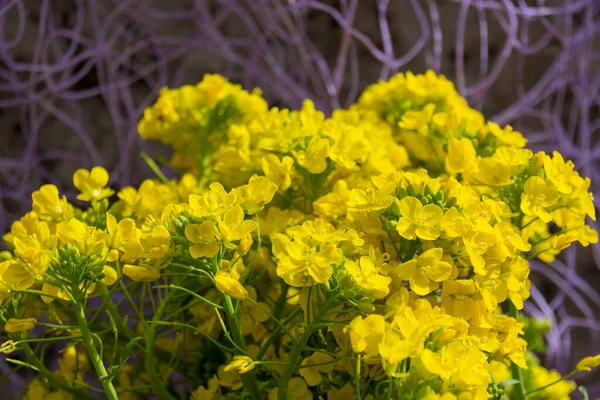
76,75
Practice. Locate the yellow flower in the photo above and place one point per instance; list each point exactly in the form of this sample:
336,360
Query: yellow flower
559,172
203,239
241,364
141,273
257,194
367,277
394,349
367,333
15,275
371,199
426,268
233,226
461,156
303,265
537,198
312,375
560,389
297,390
92,184
507,135
156,243
587,363
213,203
278,171
49,206
230,286
346,392
110,276
493,172
121,233
252,315
315,157
14,325
418,220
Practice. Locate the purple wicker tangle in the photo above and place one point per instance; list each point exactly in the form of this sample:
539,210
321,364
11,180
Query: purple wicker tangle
76,75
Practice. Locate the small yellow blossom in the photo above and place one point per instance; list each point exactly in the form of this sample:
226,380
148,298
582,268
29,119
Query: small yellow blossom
367,333
418,220
366,276
278,171
493,172
314,159
92,184
461,156
559,172
538,197
203,239
425,269
323,364
257,194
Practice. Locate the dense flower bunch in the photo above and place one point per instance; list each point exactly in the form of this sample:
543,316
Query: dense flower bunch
381,253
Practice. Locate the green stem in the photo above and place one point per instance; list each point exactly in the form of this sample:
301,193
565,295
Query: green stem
93,354
516,371
570,374
155,378
292,360
297,350
249,378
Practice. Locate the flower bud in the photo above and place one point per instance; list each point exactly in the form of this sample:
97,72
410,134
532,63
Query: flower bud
141,273
14,325
588,363
241,364
230,286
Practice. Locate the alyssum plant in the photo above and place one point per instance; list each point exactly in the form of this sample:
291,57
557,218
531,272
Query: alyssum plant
381,253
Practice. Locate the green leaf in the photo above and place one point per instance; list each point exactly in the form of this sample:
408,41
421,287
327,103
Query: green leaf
114,370
507,383
584,391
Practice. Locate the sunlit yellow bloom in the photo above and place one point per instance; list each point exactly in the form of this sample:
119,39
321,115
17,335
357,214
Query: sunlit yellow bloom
203,239
315,157
48,205
537,198
257,194
418,220
366,276
233,227
461,155
492,172
559,172
92,184
367,333
278,171
426,268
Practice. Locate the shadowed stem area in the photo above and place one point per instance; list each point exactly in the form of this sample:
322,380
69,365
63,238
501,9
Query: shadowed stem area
249,378
93,354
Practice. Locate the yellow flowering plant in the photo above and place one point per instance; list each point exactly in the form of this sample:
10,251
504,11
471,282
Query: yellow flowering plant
379,253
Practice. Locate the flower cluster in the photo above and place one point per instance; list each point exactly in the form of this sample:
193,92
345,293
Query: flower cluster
379,253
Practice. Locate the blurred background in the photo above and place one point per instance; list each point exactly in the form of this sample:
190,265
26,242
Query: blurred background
75,76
